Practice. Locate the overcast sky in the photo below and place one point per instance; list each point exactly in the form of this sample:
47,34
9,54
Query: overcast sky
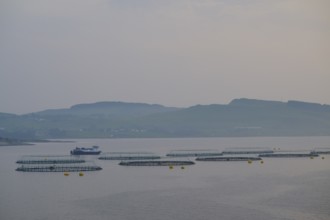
57,53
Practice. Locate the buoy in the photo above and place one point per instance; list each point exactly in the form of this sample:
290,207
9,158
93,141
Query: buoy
66,174
171,167
312,157
249,161
81,174
182,168
261,161
322,158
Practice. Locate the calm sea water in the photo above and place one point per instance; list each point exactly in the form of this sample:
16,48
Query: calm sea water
296,188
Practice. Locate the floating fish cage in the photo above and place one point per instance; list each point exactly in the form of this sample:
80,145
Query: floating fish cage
49,159
129,156
288,155
58,168
324,150
225,158
157,162
247,151
193,153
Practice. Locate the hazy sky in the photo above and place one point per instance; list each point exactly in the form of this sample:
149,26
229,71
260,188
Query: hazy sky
56,53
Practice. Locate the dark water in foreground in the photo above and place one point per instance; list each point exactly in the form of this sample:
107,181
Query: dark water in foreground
295,188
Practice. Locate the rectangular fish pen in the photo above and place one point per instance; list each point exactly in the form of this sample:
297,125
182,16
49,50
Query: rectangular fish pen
321,150
247,151
49,159
157,162
228,158
128,156
193,153
288,155
57,168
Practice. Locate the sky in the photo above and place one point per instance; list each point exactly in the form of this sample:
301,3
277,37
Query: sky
57,53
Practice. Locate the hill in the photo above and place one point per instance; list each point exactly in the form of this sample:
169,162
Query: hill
109,109
240,118
243,117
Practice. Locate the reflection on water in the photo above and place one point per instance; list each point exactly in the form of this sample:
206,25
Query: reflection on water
280,188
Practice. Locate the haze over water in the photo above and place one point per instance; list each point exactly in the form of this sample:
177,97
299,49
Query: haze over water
180,53
292,188
55,54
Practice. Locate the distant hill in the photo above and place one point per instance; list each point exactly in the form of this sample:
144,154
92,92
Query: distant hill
244,117
240,118
109,109
12,142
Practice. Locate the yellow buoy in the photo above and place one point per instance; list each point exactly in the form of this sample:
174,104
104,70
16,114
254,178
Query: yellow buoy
261,161
171,167
249,161
81,174
66,174
182,168
322,158
312,157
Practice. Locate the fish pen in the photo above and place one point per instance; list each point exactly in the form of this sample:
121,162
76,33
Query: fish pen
129,156
288,155
247,151
321,150
225,158
157,162
193,153
57,168
49,159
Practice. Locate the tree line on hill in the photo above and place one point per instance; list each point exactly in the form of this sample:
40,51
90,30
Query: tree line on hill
239,118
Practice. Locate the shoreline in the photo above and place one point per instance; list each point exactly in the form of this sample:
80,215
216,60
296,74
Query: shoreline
5,142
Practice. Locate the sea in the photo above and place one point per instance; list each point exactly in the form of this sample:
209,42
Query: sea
279,188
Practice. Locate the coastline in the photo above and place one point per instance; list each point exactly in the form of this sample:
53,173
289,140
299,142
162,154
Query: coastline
5,142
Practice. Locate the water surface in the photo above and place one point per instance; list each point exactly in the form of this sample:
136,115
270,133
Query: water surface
281,188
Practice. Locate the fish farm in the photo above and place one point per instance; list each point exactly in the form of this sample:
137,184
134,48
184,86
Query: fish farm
49,159
321,151
193,153
129,156
58,168
157,162
247,151
69,163
227,158
288,155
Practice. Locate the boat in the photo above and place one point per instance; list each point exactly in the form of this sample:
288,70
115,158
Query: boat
86,151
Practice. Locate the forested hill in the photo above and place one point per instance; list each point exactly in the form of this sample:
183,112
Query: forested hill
240,118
